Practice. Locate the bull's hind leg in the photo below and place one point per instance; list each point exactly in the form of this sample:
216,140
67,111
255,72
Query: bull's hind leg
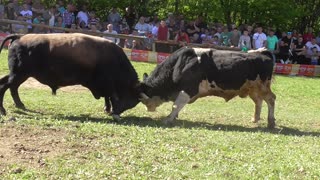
182,99
15,81
258,105
270,99
3,88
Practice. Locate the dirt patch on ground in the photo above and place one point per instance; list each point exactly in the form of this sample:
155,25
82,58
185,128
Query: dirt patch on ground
33,83
29,146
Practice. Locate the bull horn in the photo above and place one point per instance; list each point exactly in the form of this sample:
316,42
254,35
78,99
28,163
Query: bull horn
144,96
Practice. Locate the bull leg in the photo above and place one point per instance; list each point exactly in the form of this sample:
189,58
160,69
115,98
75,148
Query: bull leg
182,99
3,88
258,105
270,100
107,105
15,82
115,107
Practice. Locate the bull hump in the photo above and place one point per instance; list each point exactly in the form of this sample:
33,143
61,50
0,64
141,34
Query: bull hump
76,47
60,37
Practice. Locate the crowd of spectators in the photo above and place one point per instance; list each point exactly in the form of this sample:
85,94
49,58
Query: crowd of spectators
287,47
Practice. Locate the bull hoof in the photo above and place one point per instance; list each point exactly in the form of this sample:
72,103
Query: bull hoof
116,117
255,120
20,106
167,121
271,123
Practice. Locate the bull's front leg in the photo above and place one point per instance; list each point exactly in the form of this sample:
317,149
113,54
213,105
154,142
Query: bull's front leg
107,105
182,99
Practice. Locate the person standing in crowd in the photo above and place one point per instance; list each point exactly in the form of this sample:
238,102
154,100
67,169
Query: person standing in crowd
285,46
93,19
163,31
60,7
37,8
182,38
173,29
83,16
142,27
313,50
299,51
234,37
114,18
130,16
111,31
68,16
225,37
272,43
27,16
4,27
245,41
18,28
308,36
259,38
155,30
193,30
59,24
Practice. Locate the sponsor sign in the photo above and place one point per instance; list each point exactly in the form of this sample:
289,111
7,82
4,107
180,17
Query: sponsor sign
139,55
306,70
283,68
162,57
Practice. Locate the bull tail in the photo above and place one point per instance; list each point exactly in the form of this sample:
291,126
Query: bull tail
12,37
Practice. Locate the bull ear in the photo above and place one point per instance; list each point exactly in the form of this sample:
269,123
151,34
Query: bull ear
145,76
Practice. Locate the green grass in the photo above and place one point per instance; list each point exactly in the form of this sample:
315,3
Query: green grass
210,140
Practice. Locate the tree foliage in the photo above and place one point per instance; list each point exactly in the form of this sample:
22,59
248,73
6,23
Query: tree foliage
284,14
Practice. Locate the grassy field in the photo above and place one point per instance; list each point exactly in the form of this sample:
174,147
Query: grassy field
68,136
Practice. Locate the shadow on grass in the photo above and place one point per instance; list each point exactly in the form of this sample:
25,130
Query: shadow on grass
179,123
186,124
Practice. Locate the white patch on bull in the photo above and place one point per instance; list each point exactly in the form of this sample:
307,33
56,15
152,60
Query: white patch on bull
152,103
200,51
182,99
257,50
199,59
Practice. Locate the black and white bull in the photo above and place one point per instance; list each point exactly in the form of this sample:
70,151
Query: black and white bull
191,73
59,60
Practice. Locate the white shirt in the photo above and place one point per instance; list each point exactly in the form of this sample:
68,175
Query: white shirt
113,39
142,28
310,46
27,13
259,39
82,16
155,31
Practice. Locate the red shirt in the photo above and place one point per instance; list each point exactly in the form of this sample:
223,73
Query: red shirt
307,37
184,38
163,33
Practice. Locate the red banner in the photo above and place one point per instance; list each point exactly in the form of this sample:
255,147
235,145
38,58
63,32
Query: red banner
306,70
139,55
162,57
283,68
2,36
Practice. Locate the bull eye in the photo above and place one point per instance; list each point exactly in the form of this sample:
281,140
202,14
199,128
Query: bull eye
212,86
